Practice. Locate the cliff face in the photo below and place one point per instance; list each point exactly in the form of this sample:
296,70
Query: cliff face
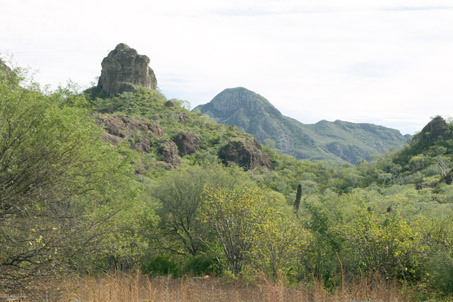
124,70
337,141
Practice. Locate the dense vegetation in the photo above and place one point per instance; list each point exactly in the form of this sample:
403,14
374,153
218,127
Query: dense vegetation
339,141
87,186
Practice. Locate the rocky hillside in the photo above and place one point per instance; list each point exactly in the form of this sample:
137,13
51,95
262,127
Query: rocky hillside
435,141
337,141
158,133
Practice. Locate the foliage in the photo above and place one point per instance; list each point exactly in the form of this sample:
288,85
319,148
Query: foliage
160,265
298,197
202,265
338,141
59,183
234,219
440,271
384,243
179,196
72,202
250,228
280,244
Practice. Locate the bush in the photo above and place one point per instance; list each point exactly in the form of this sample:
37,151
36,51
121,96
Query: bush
202,265
160,265
440,270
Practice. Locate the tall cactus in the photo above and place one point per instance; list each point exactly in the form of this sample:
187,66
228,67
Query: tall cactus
298,197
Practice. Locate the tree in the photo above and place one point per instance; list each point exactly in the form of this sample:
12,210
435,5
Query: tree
237,220
383,243
56,178
179,196
280,242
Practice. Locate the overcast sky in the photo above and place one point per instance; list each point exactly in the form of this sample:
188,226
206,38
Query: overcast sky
388,62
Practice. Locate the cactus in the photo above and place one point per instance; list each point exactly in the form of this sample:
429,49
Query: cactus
298,197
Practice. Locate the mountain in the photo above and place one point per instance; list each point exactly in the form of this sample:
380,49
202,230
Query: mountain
120,179
433,144
337,141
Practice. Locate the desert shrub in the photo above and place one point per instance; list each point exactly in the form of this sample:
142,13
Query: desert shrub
160,265
202,265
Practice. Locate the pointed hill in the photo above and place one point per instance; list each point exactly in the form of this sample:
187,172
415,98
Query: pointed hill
434,141
337,141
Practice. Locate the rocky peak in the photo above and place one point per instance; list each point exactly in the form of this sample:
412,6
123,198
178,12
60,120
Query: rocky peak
3,65
231,100
124,70
436,129
437,126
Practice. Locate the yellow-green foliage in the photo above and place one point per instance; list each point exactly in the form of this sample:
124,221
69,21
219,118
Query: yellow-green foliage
253,228
384,243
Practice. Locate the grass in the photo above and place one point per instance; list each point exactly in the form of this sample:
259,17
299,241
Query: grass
121,287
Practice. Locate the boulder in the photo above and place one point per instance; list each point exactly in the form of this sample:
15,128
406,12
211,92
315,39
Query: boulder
124,70
169,153
188,143
246,153
169,104
182,117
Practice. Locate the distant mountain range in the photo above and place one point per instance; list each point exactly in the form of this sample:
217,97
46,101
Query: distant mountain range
338,141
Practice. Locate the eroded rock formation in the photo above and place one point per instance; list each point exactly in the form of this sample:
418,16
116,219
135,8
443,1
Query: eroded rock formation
169,153
124,70
188,143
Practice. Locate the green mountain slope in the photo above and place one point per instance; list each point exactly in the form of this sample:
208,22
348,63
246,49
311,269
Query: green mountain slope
337,141
159,134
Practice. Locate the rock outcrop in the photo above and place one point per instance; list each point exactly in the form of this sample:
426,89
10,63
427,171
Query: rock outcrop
436,129
124,127
124,70
188,143
245,153
3,66
169,153
169,104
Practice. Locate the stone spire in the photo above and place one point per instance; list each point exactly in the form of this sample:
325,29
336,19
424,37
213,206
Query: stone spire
125,70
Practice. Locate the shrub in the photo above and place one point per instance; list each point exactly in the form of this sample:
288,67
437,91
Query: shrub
160,265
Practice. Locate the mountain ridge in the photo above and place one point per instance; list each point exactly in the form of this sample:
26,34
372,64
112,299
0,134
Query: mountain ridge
338,141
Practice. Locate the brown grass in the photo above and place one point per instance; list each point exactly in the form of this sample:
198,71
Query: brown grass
122,287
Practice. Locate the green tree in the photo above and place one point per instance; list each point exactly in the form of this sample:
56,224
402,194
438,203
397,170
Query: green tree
56,180
384,243
179,196
238,220
280,243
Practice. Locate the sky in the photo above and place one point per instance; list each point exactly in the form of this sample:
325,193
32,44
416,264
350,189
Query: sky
387,62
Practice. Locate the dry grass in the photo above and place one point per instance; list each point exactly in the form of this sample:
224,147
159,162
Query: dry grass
121,287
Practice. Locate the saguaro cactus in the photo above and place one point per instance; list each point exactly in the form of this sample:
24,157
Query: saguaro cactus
298,197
